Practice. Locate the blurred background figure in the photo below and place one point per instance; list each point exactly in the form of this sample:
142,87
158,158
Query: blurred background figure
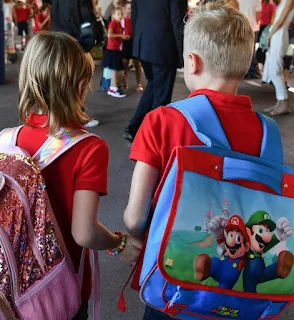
266,18
9,30
252,10
158,44
278,44
43,18
77,18
127,49
22,14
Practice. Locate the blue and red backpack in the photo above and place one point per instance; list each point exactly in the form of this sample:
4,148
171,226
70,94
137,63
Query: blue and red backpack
220,244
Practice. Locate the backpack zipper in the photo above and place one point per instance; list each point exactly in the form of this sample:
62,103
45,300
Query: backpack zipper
23,198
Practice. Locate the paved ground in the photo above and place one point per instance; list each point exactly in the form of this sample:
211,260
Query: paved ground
114,116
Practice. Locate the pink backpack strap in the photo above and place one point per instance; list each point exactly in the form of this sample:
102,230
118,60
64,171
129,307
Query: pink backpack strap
8,136
96,285
95,280
55,146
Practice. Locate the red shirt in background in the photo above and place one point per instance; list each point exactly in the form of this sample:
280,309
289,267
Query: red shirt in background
165,128
115,43
83,167
38,21
22,14
128,27
268,9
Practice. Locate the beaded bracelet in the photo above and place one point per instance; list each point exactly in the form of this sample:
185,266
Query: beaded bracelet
121,247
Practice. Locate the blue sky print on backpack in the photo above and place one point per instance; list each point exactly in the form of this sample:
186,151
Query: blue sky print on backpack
232,237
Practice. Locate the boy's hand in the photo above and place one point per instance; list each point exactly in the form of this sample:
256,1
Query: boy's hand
125,37
132,251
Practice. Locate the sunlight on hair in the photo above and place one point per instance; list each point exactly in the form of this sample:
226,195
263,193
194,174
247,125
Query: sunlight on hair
223,37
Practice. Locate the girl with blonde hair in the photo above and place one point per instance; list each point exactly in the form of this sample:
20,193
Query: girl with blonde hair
55,77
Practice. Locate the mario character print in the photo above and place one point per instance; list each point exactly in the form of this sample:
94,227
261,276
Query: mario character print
265,234
234,244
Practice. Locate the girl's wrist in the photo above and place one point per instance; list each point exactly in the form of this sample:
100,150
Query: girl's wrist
121,244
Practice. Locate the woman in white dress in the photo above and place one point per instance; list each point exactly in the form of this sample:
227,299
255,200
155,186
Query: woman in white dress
278,42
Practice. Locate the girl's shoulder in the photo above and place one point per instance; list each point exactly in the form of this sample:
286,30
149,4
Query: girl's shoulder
91,146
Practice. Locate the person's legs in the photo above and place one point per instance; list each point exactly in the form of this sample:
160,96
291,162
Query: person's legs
252,70
278,81
114,78
145,104
125,75
163,85
113,90
152,314
157,93
138,69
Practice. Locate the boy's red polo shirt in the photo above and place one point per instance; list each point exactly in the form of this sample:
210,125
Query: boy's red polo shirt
165,128
83,167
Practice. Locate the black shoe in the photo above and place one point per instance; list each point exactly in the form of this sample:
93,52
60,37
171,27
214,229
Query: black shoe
129,134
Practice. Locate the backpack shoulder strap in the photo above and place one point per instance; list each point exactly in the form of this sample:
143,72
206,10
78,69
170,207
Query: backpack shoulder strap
203,120
8,136
55,146
271,145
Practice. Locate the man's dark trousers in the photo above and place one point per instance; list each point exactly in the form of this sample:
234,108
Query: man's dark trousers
157,93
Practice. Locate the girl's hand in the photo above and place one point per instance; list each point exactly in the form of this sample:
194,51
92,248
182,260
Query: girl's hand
131,251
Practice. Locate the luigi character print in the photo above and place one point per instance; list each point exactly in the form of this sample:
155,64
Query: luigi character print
241,250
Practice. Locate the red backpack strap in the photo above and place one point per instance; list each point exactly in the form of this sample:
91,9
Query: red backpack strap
136,271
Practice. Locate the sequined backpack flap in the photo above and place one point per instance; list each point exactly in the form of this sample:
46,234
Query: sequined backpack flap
37,277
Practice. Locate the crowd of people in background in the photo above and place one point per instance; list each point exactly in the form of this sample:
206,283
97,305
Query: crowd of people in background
215,59
23,18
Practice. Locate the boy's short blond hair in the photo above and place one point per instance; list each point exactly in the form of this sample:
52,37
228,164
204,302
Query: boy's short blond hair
222,37
55,74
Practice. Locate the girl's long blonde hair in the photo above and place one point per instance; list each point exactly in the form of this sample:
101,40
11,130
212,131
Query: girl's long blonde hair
55,75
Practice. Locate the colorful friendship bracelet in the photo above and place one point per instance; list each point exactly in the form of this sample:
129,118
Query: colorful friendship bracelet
121,247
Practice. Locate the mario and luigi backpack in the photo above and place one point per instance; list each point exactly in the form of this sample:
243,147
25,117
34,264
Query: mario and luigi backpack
220,244
37,277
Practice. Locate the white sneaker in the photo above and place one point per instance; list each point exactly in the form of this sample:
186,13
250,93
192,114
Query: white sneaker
116,94
91,124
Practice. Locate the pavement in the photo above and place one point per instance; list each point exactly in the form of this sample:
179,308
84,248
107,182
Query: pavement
114,115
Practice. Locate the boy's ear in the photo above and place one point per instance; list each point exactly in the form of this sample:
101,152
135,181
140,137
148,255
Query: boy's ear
194,63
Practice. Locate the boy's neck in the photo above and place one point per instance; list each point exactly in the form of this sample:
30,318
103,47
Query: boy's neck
221,85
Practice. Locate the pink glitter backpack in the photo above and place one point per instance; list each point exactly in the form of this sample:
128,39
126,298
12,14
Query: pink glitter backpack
37,277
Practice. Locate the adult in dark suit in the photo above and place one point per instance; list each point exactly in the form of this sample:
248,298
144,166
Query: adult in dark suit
76,17
158,44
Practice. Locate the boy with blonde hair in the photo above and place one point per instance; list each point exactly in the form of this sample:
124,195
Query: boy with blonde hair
218,46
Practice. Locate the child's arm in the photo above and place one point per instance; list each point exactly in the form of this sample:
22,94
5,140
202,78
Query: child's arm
88,232
144,182
43,24
111,34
